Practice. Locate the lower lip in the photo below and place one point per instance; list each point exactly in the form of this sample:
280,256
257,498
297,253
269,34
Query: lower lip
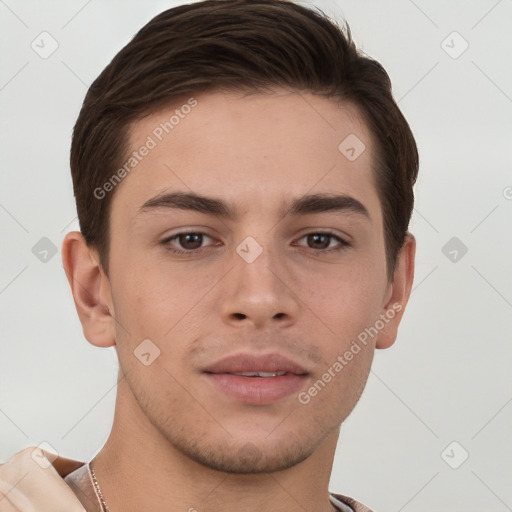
256,390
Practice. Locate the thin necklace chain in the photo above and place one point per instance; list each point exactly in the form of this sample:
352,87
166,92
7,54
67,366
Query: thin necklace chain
104,505
97,489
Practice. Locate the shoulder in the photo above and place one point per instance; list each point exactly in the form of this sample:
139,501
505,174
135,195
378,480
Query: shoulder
33,479
355,506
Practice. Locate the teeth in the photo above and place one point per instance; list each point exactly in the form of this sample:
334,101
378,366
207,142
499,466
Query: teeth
260,374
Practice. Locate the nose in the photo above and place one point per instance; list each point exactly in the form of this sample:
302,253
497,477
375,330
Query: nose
259,289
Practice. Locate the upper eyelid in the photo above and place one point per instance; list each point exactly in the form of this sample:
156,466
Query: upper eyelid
176,235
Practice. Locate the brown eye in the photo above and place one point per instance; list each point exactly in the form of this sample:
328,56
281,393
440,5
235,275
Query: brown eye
186,243
190,241
322,243
319,241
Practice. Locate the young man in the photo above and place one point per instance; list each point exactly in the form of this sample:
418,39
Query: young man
243,180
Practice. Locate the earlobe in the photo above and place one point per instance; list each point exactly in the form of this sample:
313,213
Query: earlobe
90,288
400,290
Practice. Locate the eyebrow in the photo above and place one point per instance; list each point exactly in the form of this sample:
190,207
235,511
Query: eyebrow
309,204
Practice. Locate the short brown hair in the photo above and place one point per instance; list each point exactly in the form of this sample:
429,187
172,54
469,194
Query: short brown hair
238,45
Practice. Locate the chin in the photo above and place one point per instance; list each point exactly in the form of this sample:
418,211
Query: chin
248,458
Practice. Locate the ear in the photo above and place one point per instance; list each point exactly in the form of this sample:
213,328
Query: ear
398,293
90,288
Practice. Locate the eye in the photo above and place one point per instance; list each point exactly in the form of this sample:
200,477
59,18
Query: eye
190,241
321,242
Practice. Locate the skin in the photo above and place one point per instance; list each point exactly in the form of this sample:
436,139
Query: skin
177,443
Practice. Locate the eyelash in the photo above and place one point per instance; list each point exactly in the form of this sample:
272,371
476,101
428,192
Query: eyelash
343,244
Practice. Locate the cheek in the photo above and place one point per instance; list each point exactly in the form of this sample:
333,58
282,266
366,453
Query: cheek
159,303
346,305
335,391
151,296
345,299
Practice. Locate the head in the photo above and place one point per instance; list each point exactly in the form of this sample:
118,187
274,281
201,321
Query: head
261,131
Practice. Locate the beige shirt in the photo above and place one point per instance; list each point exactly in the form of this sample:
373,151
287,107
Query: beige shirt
37,481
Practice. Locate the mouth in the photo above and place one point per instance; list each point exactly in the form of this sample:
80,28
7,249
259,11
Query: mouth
260,374
256,379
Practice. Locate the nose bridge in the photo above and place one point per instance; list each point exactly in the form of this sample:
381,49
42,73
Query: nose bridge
258,287
258,261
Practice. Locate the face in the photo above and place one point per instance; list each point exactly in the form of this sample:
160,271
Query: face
255,299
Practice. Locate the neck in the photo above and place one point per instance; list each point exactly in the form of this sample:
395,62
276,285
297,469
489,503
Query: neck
139,469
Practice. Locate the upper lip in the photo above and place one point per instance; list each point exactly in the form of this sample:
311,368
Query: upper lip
239,363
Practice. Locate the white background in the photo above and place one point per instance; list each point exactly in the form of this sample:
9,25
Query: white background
448,376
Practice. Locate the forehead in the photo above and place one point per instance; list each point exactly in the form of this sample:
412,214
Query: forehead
251,149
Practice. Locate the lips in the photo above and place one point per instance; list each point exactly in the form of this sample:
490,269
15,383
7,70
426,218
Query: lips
267,363
256,379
